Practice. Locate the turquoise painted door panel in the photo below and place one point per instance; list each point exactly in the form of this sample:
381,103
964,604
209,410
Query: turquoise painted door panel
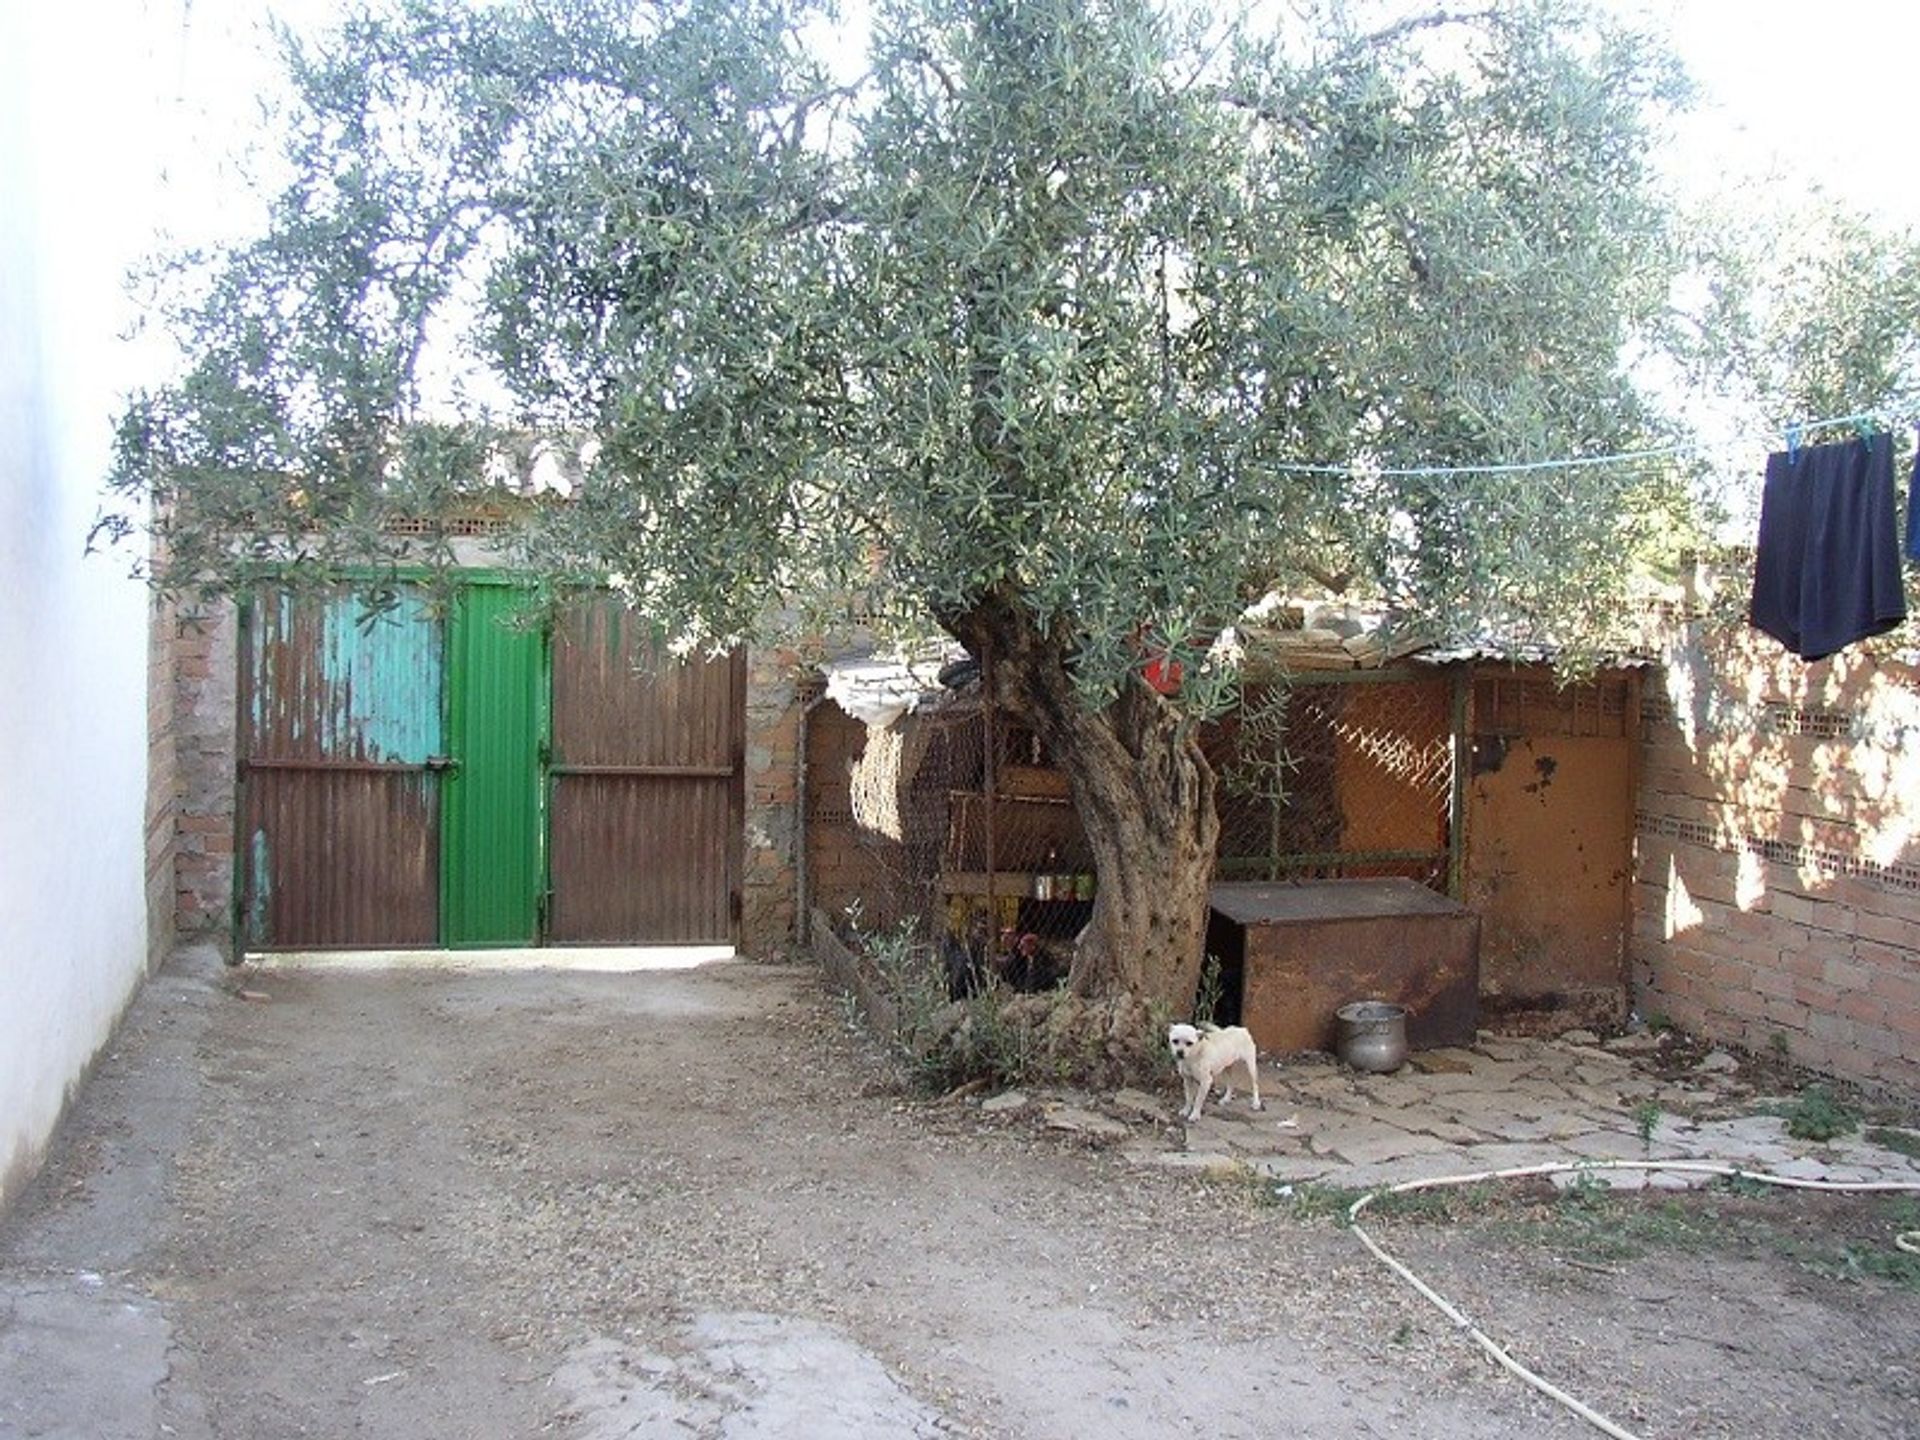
339,810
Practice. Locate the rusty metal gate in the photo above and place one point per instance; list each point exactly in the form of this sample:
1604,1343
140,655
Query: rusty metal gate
647,786
342,745
450,774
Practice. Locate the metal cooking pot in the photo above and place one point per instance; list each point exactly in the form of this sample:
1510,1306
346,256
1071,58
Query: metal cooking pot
1372,1035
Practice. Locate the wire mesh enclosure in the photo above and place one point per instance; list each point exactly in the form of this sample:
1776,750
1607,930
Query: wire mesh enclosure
957,821
1337,779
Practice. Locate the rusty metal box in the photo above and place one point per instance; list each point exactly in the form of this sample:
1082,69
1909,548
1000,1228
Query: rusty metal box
1307,948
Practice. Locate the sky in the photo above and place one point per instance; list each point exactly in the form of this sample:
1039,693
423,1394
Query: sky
1825,91
1813,94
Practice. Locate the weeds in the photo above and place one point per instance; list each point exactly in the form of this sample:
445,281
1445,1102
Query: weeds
1875,1258
1451,1202
1590,1223
1646,1119
1587,1223
1816,1115
1901,1213
1206,1000
1748,1188
939,1047
1586,1192
996,1035
1319,1202
1313,1202
1869,1262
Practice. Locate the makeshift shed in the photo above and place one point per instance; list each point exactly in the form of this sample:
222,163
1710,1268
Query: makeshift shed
1485,781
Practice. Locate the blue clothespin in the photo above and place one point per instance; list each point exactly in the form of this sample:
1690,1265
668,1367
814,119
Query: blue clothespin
1795,432
1863,427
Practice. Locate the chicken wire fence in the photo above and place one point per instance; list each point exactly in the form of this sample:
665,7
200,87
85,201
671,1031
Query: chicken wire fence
957,822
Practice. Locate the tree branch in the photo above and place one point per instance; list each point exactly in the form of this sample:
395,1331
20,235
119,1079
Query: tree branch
1432,20
1373,40
926,58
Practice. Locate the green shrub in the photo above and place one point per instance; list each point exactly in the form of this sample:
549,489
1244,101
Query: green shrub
1816,1115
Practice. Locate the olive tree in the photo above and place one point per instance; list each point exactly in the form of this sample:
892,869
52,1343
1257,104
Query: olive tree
1068,327
1805,312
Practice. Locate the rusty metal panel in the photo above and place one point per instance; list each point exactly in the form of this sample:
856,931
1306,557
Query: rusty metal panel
1516,700
340,713
1304,950
1549,869
339,858
642,860
647,807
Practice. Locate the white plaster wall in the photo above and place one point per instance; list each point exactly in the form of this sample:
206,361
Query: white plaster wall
74,212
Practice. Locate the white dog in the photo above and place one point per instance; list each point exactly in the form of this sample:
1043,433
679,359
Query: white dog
1206,1053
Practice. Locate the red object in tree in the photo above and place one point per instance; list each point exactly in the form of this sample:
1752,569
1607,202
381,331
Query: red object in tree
1163,674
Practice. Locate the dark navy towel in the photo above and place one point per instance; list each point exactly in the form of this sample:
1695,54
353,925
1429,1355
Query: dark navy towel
1913,510
1826,571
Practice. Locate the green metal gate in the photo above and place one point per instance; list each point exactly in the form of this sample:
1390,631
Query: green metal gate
495,815
396,774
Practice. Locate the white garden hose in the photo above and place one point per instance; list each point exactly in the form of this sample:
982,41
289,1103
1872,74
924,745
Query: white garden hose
1909,1241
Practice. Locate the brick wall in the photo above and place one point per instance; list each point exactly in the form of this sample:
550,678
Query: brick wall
201,646
849,867
163,784
768,879
1777,851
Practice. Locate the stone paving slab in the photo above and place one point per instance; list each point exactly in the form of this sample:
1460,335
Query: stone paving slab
1505,1103
1386,1142
1564,1126
1500,1119
1510,1048
1854,1150
1318,1084
1077,1121
1600,1068
1509,1155
1139,1102
1200,1160
1428,1122
1395,1092
1452,1083
1293,1169
1683,1097
1613,1145
1307,1120
1607,1097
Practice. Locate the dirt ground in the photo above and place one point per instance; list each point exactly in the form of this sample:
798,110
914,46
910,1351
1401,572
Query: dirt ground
694,1203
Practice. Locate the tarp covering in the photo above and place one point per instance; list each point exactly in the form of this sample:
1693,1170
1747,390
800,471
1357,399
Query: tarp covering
879,692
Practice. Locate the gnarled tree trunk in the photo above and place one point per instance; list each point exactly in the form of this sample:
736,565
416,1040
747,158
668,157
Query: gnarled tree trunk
1145,796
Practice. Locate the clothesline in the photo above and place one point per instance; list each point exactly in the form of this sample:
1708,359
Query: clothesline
1581,462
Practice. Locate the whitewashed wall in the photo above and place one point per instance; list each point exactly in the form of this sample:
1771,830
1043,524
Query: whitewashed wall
79,86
